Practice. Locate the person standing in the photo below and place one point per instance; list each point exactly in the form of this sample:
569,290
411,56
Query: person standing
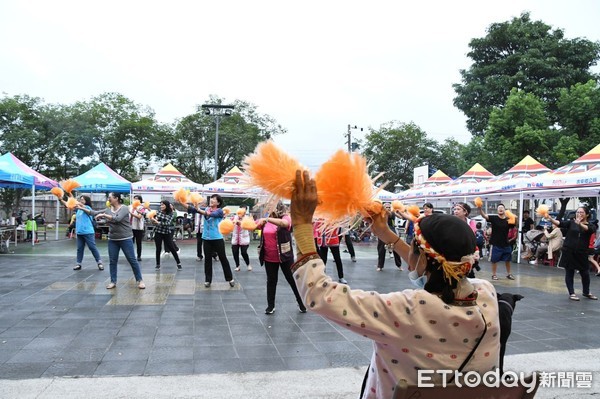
213,240
276,253
382,247
327,240
527,225
501,249
162,233
575,250
240,240
120,237
84,230
462,211
138,224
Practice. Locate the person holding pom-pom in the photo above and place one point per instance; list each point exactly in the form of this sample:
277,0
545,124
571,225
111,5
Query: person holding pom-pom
162,233
213,240
240,240
501,248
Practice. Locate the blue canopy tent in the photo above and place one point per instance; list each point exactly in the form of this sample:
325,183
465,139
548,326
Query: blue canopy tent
101,178
15,174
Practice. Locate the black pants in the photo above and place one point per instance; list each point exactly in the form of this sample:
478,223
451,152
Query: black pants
349,245
335,251
199,245
172,232
382,253
272,270
138,237
235,249
218,247
570,280
166,238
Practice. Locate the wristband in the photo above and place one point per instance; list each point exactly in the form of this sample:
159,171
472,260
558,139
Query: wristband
395,242
305,241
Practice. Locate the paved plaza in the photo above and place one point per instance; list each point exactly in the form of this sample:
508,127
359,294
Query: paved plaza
177,338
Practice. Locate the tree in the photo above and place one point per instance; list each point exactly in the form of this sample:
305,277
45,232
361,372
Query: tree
238,136
396,149
579,111
120,133
523,54
517,129
450,158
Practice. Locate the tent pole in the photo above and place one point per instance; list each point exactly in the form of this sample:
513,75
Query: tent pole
56,224
520,223
34,233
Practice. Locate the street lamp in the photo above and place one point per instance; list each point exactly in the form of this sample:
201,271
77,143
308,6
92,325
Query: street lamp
218,111
352,146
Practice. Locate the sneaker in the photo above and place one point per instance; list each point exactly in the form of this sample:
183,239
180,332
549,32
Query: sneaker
157,267
77,267
111,286
100,266
139,259
301,308
232,283
510,277
207,284
216,259
237,269
379,269
533,262
494,277
178,251
353,258
163,255
250,268
269,310
199,258
400,268
141,285
343,281
179,267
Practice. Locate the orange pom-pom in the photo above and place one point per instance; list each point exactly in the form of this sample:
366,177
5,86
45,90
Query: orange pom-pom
69,185
512,218
478,202
58,192
147,205
196,198
272,169
226,211
226,226
344,187
375,207
181,196
151,214
135,204
248,223
398,206
414,210
72,203
241,212
543,211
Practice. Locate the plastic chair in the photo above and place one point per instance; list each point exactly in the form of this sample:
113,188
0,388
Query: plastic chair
451,391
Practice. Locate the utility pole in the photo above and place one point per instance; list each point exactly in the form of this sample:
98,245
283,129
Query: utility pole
349,135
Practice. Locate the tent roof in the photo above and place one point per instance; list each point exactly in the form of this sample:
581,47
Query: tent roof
167,179
101,178
586,162
438,177
14,173
170,174
233,182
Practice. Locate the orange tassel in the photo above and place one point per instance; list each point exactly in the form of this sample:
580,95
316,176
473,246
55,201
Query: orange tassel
512,218
398,206
58,192
272,169
375,207
344,187
414,210
543,211
226,211
72,203
147,205
135,204
196,198
248,223
151,214
478,202
181,196
226,227
241,212
69,185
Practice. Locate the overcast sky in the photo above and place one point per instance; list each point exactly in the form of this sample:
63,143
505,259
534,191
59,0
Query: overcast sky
314,66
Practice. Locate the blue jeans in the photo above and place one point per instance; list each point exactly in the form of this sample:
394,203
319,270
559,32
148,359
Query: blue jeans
90,241
113,254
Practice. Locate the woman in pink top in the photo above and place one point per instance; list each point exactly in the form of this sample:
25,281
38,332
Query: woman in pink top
276,252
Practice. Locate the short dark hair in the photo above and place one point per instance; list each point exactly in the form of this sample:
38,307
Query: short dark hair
219,200
168,209
117,196
86,199
138,197
428,205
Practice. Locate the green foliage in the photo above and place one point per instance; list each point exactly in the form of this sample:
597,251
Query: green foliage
523,54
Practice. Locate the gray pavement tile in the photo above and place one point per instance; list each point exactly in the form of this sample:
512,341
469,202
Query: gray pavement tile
175,330
71,369
252,338
203,366
176,341
170,353
297,350
132,342
77,354
215,352
344,359
35,356
325,336
59,342
120,368
339,346
257,351
319,361
75,324
170,367
262,364
21,332
23,370
52,332
92,341
136,331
